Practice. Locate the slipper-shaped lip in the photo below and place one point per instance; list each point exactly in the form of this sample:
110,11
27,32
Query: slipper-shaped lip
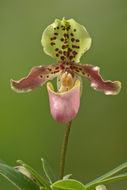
64,106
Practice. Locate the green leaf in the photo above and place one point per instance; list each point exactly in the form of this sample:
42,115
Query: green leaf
65,40
35,174
48,171
69,184
67,176
107,180
108,174
18,179
43,188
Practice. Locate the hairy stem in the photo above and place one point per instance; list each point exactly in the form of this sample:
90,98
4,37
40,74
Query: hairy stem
64,150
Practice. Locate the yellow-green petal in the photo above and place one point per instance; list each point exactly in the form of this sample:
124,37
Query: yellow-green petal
65,40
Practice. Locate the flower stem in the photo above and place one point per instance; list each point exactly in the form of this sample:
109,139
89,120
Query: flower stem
64,150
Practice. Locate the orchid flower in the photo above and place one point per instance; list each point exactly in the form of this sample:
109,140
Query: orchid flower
67,41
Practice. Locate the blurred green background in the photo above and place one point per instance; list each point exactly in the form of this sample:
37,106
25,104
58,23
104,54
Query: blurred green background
98,140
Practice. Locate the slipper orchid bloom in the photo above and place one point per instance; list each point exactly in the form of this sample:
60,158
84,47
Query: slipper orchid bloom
66,41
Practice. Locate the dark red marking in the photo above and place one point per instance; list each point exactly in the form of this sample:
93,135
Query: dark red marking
74,46
65,42
57,27
62,67
56,33
62,39
52,44
69,49
68,28
72,39
71,57
62,57
71,67
74,30
56,68
74,53
56,72
54,38
57,49
77,40
71,34
60,52
64,46
57,55
65,53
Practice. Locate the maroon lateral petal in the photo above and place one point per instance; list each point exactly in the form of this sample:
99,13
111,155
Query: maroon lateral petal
36,78
92,73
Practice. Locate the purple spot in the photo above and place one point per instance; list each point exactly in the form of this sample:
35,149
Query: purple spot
62,39
77,40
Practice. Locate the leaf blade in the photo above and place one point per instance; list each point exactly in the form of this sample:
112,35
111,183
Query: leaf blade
107,180
48,171
15,177
109,174
69,184
35,174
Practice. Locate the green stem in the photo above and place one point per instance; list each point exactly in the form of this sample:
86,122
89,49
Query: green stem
64,150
